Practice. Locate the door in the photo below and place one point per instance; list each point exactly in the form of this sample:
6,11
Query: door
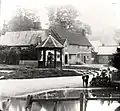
84,59
66,59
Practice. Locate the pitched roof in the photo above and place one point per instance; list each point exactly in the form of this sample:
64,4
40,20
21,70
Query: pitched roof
107,50
22,38
55,35
96,45
50,42
73,38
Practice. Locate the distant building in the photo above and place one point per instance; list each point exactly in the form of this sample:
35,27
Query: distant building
105,54
95,47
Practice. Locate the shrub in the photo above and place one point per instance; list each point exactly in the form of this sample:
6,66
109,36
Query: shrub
29,53
9,55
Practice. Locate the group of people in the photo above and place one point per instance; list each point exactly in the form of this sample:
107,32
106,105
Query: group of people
85,79
103,78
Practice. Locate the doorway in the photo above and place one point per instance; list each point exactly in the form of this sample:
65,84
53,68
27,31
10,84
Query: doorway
66,59
84,59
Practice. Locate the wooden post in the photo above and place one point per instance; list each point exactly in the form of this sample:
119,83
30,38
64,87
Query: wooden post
28,103
85,106
81,101
61,59
44,57
55,106
54,58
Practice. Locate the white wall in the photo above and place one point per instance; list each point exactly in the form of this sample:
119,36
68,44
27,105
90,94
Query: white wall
77,54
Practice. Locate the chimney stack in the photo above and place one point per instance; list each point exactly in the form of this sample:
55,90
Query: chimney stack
83,32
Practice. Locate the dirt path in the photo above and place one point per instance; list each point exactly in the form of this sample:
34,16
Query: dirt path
24,86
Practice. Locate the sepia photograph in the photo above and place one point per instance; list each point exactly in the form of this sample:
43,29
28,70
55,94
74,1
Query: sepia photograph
59,55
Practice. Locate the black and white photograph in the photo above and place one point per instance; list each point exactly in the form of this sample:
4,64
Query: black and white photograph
59,55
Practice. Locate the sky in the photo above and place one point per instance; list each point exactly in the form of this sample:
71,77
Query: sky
102,15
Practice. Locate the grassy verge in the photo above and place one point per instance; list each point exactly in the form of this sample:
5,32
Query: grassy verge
36,73
29,72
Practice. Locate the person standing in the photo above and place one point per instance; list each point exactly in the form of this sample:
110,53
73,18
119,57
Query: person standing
83,78
86,80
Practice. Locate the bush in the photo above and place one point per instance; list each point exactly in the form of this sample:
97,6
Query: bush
9,55
29,53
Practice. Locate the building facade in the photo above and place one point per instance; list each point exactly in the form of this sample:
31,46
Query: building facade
77,48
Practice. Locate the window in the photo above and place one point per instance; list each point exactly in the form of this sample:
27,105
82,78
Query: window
69,56
78,56
87,57
58,56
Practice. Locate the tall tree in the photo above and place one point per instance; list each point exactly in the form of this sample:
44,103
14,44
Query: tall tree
66,16
24,20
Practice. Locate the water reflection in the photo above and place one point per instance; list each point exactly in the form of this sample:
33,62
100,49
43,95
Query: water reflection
96,105
92,105
88,105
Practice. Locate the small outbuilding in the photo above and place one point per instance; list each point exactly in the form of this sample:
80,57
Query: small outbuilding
105,54
50,53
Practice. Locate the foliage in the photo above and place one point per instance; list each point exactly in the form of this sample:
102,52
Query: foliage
13,55
4,29
24,20
66,16
9,55
29,53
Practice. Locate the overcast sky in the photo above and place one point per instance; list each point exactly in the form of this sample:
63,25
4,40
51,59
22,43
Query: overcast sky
102,15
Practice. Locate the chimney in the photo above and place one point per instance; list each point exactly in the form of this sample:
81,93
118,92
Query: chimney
83,32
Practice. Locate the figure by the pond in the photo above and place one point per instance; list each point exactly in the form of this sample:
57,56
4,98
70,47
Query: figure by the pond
49,58
83,78
86,80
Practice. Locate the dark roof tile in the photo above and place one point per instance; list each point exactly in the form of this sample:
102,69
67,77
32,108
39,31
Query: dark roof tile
73,38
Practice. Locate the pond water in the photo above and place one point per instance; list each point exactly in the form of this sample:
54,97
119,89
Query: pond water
70,105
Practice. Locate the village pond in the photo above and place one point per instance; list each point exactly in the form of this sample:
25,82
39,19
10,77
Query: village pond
70,99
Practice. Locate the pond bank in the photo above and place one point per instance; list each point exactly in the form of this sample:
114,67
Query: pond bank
29,72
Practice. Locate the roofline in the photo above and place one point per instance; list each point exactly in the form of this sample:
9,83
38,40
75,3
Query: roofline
47,48
17,45
109,46
80,45
105,54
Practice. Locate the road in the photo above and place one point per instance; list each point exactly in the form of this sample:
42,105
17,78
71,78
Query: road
23,86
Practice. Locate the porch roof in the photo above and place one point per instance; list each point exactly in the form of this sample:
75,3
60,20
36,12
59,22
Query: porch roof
50,42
